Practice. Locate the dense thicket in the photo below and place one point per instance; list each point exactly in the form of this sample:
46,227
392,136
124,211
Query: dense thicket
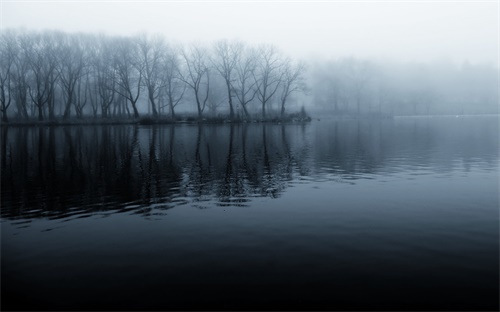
50,75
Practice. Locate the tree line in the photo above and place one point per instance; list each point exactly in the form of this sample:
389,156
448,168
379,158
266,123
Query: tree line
45,75
351,86
50,75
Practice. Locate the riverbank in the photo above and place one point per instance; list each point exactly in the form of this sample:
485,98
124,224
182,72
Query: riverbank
150,121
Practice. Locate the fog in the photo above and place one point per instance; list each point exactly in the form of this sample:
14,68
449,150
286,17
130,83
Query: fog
398,30
349,58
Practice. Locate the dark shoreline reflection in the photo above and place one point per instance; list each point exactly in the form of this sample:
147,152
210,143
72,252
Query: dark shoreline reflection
64,171
141,168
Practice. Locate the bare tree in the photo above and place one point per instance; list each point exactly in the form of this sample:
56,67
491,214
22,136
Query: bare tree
225,58
81,99
358,73
20,75
129,69
152,55
292,81
244,86
91,90
42,62
216,95
105,75
336,86
8,51
174,86
329,88
268,74
195,74
70,67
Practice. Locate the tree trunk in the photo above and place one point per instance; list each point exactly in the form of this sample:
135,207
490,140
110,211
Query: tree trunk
126,108
4,115
247,115
231,109
40,112
104,111
67,109
283,108
153,105
51,104
171,106
136,112
79,113
22,106
198,105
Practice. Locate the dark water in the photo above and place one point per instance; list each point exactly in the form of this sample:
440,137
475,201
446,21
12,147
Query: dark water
398,214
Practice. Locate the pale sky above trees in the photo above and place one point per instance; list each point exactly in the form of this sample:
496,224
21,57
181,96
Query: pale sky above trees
395,30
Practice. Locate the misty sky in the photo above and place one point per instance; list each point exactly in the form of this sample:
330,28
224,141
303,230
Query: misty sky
400,30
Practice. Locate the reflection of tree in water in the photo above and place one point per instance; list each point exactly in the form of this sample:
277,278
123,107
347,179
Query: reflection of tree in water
62,172
236,162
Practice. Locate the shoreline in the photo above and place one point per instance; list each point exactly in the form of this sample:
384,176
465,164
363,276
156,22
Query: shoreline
145,121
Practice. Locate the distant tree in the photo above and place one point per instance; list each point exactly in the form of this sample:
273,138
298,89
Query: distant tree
268,74
195,72
53,76
153,56
216,95
105,75
42,62
292,81
20,75
91,90
129,69
174,86
336,85
358,73
81,98
70,66
225,58
8,52
244,86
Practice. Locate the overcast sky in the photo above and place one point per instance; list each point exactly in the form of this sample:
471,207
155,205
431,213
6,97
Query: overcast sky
401,30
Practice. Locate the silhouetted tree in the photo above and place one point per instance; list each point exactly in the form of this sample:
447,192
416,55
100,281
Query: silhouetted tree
70,67
105,74
292,81
195,71
225,58
42,62
244,86
153,56
8,51
174,86
267,75
129,69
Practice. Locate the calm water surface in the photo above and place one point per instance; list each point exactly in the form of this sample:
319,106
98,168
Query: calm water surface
335,214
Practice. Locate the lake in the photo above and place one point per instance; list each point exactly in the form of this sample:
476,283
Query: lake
397,214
